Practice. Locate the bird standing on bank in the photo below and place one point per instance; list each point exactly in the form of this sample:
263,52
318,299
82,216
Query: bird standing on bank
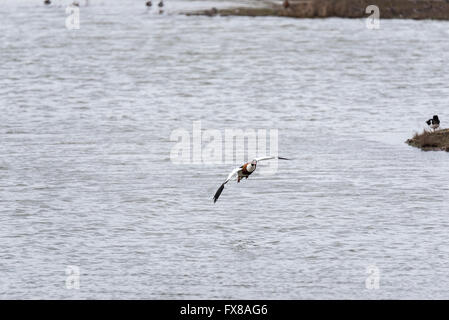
243,172
433,123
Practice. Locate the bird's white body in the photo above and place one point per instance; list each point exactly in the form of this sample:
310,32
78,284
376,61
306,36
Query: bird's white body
250,167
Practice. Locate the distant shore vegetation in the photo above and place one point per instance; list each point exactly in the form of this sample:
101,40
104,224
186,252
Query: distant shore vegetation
427,140
397,9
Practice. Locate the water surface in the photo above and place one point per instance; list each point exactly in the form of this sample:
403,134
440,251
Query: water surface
86,177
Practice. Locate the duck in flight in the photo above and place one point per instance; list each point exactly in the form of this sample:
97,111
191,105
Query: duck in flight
243,172
433,123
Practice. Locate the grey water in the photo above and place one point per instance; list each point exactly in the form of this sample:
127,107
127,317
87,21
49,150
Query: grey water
86,177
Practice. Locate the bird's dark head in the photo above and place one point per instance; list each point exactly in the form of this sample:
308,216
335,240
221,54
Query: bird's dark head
435,117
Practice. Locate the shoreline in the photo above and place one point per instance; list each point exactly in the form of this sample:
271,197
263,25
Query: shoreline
431,141
389,9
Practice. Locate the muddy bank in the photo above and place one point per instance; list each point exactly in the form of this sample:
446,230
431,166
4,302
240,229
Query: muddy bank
389,9
431,141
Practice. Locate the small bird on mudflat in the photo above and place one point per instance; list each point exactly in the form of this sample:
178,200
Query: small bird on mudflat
148,4
433,123
47,2
243,172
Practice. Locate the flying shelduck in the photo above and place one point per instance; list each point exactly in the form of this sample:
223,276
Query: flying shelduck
433,123
243,172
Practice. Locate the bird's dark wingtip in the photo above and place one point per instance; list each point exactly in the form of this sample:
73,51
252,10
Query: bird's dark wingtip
219,191
282,158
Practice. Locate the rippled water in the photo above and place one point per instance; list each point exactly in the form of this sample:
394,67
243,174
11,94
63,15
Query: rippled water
86,178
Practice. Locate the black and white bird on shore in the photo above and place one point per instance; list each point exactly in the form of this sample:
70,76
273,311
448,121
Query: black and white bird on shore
243,172
433,123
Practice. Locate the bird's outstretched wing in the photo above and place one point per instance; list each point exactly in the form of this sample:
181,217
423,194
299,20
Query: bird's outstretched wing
220,190
269,158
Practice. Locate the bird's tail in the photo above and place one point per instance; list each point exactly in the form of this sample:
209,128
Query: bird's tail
219,191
